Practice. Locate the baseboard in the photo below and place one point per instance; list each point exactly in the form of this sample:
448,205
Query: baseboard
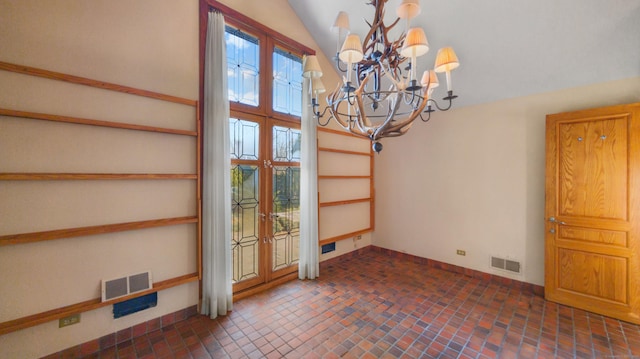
129,334
485,277
125,335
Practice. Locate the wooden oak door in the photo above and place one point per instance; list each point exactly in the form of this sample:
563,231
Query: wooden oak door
593,210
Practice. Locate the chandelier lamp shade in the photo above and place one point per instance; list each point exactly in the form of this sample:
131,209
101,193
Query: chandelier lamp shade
380,95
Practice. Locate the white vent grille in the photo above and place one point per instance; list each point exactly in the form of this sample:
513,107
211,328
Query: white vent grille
120,287
506,264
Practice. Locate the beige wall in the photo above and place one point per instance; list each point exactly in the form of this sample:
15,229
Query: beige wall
473,179
147,44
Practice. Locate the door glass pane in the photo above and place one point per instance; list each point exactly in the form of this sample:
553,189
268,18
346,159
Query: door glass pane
287,83
286,144
245,239
244,139
286,216
243,66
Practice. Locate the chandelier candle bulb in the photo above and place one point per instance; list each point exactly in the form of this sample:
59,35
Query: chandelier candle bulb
430,81
341,23
407,10
317,86
351,52
415,44
311,68
446,60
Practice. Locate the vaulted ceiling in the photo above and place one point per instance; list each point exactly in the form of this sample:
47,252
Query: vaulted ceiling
507,48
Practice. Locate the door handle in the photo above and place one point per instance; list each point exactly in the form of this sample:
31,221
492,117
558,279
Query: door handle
274,215
554,220
262,216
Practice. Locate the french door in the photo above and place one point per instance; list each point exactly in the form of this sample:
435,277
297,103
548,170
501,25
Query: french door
265,181
265,97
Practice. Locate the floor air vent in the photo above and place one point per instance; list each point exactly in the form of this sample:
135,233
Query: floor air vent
505,264
120,287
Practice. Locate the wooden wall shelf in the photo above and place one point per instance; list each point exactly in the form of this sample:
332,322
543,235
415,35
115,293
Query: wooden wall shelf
95,176
338,203
343,177
344,202
346,152
23,238
40,318
90,122
52,75
92,230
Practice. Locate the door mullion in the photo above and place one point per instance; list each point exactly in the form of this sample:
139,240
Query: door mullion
268,200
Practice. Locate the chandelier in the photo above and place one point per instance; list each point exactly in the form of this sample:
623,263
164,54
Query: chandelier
386,96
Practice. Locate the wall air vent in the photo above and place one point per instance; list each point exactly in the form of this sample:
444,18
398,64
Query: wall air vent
120,287
506,264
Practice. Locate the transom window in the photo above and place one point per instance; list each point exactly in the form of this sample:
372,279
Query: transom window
245,68
287,82
243,64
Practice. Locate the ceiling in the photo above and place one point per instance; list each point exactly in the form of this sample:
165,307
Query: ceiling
506,48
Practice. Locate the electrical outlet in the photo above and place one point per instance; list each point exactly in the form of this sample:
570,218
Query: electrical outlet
460,252
70,320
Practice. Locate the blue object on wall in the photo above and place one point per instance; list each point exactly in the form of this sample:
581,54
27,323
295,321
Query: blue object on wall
329,248
135,305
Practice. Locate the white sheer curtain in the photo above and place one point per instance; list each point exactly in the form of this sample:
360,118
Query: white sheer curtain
308,266
217,292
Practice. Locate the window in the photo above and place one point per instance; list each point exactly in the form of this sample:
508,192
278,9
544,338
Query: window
243,63
287,83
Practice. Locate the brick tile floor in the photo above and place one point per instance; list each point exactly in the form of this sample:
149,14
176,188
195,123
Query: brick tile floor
375,305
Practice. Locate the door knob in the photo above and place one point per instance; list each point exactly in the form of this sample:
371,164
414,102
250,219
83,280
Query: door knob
554,220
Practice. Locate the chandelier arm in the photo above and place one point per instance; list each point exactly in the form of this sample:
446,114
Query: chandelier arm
428,117
346,125
362,130
385,33
349,99
378,18
333,103
392,25
339,62
358,100
319,115
413,98
442,108
395,83
336,115
399,129
406,122
366,46
394,134
384,127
